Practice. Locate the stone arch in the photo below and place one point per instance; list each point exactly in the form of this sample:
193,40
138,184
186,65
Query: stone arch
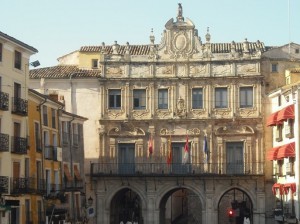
116,190
167,188
220,194
238,201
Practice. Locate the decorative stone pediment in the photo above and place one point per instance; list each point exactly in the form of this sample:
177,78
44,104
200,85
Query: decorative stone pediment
126,131
180,39
234,130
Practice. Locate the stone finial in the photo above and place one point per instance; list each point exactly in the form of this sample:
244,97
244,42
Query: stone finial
246,46
103,48
115,48
127,48
152,37
207,36
179,13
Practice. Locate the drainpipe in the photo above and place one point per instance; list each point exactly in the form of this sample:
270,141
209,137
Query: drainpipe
71,168
39,108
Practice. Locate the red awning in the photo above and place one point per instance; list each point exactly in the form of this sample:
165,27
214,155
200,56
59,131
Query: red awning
276,187
272,119
272,153
288,186
287,150
286,113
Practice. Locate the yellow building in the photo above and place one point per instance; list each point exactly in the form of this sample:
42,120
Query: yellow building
44,155
14,67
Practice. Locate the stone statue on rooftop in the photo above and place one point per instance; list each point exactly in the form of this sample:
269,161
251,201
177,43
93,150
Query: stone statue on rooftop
179,14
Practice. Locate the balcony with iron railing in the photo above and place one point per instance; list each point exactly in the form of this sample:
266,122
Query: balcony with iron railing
50,152
19,106
176,169
4,142
18,145
27,185
4,100
73,185
3,185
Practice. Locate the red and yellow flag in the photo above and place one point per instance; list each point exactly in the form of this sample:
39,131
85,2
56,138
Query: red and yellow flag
150,145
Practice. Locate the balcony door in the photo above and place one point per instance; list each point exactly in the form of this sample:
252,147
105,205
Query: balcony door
178,165
234,157
126,158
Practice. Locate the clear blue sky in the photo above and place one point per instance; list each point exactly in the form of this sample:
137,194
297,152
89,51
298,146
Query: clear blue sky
58,27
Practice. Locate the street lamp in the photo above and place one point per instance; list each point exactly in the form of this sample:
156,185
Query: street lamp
90,201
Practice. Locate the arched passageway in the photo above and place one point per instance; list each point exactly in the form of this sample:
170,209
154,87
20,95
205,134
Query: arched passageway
126,207
237,201
180,206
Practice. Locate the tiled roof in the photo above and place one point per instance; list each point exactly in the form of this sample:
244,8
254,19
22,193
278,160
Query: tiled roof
133,49
63,72
145,49
5,36
226,47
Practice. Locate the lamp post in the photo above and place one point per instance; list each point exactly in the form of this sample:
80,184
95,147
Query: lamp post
90,211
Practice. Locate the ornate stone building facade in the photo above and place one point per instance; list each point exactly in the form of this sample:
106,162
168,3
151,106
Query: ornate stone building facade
175,130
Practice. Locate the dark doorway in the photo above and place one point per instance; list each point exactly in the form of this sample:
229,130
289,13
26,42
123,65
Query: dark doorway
126,207
239,202
180,206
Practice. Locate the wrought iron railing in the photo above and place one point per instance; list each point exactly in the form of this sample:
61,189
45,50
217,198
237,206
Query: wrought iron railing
3,185
4,142
27,185
50,152
19,106
18,145
4,99
175,169
73,185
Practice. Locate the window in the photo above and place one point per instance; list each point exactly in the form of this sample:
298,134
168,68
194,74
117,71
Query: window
162,99
45,115
53,115
278,170
139,99
114,98
18,59
94,63
246,97
289,128
75,134
64,131
221,97
1,50
17,90
297,51
279,128
290,168
279,100
274,67
37,137
197,98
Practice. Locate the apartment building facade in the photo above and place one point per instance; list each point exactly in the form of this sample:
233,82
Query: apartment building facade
284,124
14,69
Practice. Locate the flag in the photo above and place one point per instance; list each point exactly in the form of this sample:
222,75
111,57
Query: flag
186,150
169,156
205,148
150,145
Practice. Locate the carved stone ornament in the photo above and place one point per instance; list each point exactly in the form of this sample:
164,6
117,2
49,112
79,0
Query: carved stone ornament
163,113
248,112
135,131
115,113
140,113
114,70
234,130
180,109
194,131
